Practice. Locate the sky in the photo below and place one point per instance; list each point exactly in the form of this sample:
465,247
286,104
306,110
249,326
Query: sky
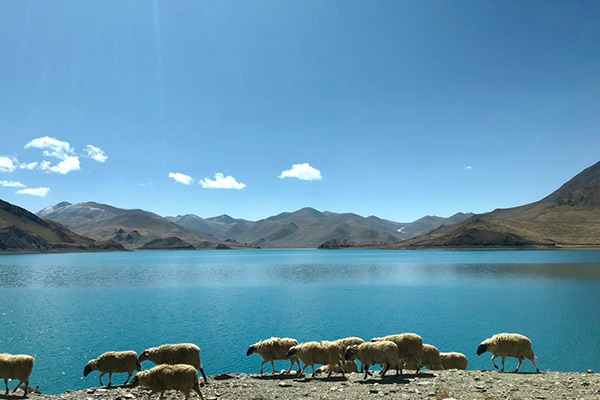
398,109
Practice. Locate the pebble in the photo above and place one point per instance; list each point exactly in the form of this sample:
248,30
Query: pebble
285,384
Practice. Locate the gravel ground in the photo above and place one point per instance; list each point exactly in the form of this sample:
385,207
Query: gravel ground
427,385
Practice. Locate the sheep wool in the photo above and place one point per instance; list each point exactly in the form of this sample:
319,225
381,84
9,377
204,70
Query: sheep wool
506,345
454,361
324,353
382,352
274,349
410,348
182,377
16,367
431,358
349,366
113,362
183,353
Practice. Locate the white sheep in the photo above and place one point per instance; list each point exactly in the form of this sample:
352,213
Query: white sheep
431,359
506,345
17,366
274,349
182,377
382,352
324,353
113,362
183,353
454,361
410,349
349,366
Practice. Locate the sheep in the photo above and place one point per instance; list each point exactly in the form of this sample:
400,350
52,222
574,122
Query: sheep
431,358
410,348
508,345
274,349
183,353
114,362
454,361
324,353
383,352
182,377
16,367
349,366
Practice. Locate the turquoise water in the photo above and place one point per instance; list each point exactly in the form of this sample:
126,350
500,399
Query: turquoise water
68,308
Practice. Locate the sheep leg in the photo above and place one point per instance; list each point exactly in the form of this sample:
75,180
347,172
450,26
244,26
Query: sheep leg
534,364
15,389
6,383
203,375
101,384
273,366
366,371
503,359
494,361
26,388
197,390
127,380
384,370
519,366
313,369
291,366
110,379
261,366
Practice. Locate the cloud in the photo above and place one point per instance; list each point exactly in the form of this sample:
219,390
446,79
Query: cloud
95,153
468,167
52,147
181,178
55,148
7,164
40,192
222,182
304,172
70,163
28,166
11,184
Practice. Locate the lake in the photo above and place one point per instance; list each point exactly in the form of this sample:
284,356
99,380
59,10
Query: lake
66,309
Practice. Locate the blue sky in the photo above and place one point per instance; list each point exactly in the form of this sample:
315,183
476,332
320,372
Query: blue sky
399,108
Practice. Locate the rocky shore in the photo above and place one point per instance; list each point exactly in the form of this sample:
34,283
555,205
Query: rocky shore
427,385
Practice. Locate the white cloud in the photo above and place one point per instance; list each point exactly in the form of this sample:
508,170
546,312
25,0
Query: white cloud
55,148
468,167
7,164
222,182
70,163
11,184
95,153
181,178
28,166
40,192
304,172
52,147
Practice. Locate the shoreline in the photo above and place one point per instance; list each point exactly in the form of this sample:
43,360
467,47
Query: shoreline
435,385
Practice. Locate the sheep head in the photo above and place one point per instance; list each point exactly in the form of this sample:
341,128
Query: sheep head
144,356
251,350
292,351
350,352
482,348
88,369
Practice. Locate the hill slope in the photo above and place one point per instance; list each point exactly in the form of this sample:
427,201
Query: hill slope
568,217
132,228
24,232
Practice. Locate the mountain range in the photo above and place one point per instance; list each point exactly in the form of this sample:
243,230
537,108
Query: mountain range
304,228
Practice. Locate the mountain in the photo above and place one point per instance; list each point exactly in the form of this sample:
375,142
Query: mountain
24,232
568,217
217,227
308,228
132,228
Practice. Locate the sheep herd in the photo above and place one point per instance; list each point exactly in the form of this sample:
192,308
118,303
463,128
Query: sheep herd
177,364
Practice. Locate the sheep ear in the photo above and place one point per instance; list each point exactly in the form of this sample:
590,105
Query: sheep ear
87,370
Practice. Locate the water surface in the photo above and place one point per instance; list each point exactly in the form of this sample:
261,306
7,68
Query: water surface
68,308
